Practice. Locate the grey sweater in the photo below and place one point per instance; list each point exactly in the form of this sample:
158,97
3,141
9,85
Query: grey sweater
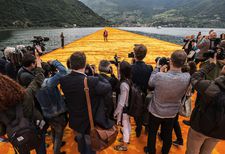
169,88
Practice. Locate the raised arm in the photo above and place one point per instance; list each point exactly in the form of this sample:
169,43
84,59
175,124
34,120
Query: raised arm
198,79
54,80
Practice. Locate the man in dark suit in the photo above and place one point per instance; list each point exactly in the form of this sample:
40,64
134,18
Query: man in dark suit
140,76
73,89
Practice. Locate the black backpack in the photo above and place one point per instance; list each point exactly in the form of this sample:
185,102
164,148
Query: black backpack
22,134
136,100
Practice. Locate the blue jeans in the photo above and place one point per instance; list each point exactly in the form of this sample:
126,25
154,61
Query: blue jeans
84,144
42,148
57,125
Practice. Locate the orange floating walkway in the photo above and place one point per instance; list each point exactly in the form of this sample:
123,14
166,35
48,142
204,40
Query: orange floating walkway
121,43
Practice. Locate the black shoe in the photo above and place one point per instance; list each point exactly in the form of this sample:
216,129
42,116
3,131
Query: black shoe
63,143
178,143
138,132
187,122
146,150
63,152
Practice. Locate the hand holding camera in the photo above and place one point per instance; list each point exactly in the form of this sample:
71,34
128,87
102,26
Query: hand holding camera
38,59
164,68
214,59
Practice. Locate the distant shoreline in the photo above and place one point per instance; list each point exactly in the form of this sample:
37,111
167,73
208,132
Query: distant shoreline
172,39
30,28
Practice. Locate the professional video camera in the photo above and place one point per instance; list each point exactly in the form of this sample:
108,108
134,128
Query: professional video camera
115,61
38,44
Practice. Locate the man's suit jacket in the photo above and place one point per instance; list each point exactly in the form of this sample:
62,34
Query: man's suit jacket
73,89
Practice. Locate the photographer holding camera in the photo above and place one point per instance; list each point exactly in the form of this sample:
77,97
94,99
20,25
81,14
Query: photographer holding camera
220,50
206,43
106,75
51,101
208,116
189,40
169,89
106,71
140,76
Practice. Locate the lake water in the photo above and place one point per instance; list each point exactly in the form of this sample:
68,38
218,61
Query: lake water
17,37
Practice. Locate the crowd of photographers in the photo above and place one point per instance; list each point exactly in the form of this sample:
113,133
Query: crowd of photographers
49,95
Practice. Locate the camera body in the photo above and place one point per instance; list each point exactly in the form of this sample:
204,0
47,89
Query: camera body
162,61
220,53
115,61
214,43
131,55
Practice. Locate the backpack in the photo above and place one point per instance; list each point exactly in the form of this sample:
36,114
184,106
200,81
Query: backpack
22,134
136,100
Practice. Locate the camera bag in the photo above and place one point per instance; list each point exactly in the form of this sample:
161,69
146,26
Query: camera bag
21,132
100,138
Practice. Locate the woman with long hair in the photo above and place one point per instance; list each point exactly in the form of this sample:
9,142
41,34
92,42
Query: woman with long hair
120,113
13,95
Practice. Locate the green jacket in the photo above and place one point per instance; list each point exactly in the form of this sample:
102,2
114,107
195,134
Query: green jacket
214,73
29,109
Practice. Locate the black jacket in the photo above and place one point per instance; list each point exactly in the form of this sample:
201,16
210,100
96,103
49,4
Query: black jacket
11,70
73,88
112,80
141,74
3,62
25,76
206,117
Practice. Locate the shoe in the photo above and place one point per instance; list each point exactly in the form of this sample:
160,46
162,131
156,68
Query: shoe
178,143
63,152
187,122
120,148
146,150
138,133
63,143
121,140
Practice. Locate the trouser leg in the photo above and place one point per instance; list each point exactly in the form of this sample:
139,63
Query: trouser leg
194,142
126,128
84,144
208,145
154,124
177,129
138,121
166,130
58,125
42,148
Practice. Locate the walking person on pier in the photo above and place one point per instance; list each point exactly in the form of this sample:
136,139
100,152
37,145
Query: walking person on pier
105,34
62,40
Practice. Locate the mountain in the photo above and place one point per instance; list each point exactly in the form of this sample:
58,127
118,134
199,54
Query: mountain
187,13
27,13
195,13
